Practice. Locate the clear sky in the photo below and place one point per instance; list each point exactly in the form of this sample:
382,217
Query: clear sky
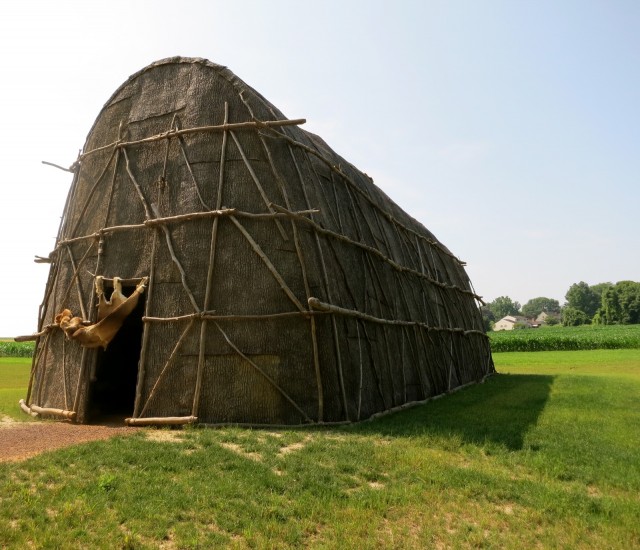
510,129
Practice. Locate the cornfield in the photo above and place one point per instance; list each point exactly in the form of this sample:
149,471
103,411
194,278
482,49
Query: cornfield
16,349
546,339
567,338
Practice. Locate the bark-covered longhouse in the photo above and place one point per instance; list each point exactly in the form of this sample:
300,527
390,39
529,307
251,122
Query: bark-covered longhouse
268,281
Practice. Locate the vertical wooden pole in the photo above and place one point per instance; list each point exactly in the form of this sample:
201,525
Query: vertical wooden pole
83,311
64,373
212,256
327,288
92,318
305,280
142,362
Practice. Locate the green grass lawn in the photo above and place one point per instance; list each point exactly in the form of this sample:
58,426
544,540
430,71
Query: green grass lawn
544,454
14,378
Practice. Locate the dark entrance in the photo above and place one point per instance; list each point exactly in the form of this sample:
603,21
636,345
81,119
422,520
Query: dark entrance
113,386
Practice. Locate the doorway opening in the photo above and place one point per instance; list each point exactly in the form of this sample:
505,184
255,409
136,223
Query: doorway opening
113,383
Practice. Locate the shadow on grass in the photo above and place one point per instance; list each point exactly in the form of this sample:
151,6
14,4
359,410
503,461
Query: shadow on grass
501,411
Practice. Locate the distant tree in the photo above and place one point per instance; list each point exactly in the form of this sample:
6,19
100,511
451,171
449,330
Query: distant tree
582,297
572,317
620,304
600,288
488,318
536,306
503,306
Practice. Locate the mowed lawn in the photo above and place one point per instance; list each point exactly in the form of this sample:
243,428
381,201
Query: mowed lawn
545,454
14,379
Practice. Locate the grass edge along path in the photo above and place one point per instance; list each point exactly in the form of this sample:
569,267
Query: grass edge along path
539,455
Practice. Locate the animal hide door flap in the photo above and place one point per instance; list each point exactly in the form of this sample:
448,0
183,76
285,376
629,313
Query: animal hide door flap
111,315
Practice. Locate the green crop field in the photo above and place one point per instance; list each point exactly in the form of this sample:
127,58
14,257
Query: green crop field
561,338
542,455
9,348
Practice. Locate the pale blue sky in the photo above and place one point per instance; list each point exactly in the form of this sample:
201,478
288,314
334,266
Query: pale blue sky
510,129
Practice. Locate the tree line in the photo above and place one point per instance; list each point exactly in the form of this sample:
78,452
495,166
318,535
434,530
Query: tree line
602,304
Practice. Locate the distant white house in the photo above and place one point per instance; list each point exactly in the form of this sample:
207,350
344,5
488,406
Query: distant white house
510,321
544,317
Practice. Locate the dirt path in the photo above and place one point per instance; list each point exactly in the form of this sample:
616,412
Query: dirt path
21,440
